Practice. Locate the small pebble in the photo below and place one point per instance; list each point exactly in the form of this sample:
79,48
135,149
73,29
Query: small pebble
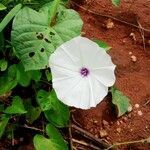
137,105
118,130
124,40
105,123
133,58
95,121
140,113
130,108
103,133
129,116
91,130
109,24
121,121
96,135
132,35
118,123
130,53
125,119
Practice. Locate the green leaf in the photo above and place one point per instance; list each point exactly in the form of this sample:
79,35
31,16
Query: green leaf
55,142
33,113
1,41
55,136
116,2
17,106
48,75
59,114
3,65
55,111
24,77
9,16
2,7
44,100
34,39
9,80
120,101
103,44
3,124
53,133
1,107
53,10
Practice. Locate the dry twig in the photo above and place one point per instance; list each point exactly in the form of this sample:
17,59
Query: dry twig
142,33
86,144
70,137
90,136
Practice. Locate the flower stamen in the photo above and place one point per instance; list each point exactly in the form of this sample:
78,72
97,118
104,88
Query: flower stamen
84,72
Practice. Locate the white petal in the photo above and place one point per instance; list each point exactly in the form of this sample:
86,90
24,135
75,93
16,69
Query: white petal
84,93
105,75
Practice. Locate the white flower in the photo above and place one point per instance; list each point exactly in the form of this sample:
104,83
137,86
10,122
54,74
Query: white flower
81,72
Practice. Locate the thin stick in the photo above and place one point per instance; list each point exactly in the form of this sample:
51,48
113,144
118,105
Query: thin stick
109,16
90,136
70,136
32,128
74,120
146,103
127,143
86,144
142,33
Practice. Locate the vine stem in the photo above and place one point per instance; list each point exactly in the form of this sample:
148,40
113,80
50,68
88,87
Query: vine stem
127,143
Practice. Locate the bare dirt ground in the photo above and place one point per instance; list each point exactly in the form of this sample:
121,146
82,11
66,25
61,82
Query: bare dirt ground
131,53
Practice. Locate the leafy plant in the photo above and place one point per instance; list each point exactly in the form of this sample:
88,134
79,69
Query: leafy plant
37,28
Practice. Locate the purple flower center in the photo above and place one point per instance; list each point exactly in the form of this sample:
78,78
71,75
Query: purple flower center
84,72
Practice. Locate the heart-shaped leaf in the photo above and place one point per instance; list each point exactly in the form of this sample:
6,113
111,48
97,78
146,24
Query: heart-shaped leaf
55,111
56,141
17,107
120,101
33,113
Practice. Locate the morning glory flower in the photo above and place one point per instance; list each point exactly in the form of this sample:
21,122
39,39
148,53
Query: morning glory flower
81,72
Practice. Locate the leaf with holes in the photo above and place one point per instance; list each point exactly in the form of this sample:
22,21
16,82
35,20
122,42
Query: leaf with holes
120,101
34,38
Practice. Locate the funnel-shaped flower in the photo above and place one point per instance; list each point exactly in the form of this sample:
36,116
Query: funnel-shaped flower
82,73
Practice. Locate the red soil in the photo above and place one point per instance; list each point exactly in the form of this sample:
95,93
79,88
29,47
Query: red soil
133,78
